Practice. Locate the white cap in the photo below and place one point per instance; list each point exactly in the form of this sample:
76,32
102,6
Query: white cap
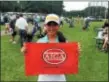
52,17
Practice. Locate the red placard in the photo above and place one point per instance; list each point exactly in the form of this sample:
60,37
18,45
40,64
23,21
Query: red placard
51,58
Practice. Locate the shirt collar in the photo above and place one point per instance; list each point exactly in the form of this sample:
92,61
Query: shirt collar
46,38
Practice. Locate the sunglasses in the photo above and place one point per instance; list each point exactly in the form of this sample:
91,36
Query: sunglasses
52,23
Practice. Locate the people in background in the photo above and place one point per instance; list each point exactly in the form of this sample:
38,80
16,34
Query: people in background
22,25
6,21
86,23
14,31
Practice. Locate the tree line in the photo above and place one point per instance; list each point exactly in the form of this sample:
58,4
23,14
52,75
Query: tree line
49,7
89,11
32,6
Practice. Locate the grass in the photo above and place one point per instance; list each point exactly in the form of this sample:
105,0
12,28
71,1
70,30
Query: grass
2,27
93,64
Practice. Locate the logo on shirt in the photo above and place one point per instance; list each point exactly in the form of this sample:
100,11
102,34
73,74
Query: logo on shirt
54,56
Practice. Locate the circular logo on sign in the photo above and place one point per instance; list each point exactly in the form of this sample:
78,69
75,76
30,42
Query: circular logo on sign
54,56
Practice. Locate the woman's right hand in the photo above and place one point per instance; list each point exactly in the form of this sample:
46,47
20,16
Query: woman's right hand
23,49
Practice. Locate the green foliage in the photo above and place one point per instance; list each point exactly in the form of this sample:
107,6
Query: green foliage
89,11
95,11
33,6
8,6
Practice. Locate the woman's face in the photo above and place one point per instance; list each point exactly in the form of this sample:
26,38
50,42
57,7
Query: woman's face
52,28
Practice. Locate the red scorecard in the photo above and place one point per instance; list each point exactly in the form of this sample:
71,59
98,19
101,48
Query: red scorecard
51,58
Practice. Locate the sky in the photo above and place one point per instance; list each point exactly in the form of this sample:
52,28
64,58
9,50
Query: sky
70,5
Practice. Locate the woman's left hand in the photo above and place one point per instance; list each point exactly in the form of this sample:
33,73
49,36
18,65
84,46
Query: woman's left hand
79,47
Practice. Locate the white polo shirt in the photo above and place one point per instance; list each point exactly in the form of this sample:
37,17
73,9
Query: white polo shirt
21,23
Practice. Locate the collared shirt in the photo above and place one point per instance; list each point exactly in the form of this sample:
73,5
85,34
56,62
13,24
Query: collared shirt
45,40
21,23
50,77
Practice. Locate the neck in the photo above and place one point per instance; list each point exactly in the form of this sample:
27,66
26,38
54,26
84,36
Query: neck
52,38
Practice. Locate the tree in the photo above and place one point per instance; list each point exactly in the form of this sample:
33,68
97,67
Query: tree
89,11
95,11
32,6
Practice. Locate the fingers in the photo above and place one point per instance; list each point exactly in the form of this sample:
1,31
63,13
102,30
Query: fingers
79,47
23,49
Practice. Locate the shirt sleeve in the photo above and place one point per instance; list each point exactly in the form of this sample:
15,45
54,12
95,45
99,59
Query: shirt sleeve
16,24
40,41
26,23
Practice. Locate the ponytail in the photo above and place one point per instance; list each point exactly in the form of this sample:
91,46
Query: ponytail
61,37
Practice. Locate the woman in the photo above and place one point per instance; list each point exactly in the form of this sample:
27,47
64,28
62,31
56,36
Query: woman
52,23
105,37
52,26
106,24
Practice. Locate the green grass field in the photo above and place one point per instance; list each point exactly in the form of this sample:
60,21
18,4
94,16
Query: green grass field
2,27
93,64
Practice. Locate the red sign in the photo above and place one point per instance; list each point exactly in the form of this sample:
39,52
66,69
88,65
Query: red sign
51,58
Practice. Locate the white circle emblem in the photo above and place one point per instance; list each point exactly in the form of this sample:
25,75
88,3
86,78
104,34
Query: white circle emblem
54,56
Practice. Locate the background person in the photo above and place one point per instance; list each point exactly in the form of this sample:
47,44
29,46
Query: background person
105,38
6,21
22,25
86,23
12,26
